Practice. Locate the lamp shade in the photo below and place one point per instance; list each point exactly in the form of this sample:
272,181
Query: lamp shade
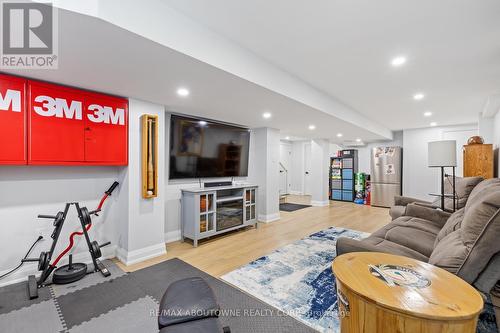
442,153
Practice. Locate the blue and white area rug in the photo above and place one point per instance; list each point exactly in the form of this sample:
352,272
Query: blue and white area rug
298,280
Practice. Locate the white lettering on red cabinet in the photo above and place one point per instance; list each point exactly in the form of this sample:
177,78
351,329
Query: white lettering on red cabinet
12,120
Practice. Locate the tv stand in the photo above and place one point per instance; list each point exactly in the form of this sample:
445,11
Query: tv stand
211,211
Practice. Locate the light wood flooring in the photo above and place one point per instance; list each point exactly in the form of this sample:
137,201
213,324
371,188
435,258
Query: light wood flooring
225,253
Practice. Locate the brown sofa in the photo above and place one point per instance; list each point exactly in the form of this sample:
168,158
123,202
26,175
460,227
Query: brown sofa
464,187
465,243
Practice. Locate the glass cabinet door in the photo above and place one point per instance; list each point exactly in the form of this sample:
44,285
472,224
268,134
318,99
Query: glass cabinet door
207,214
250,207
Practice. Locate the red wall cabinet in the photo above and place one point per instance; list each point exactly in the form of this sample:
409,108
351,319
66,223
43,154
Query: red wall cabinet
56,126
48,124
12,120
72,127
106,129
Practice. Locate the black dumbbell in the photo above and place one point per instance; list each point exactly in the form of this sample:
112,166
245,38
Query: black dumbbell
43,260
96,248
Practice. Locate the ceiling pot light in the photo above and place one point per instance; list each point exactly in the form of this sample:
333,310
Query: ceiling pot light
418,96
339,135
358,140
182,92
202,122
398,61
312,127
266,115
433,124
427,114
287,138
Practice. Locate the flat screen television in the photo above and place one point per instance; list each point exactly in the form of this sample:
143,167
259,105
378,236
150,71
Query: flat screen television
202,148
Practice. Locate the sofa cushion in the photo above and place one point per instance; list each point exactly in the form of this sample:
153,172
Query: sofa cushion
413,233
467,250
453,223
386,246
449,253
463,187
417,223
397,211
483,188
415,239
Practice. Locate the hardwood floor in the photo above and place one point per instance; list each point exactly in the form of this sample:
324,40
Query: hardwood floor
223,254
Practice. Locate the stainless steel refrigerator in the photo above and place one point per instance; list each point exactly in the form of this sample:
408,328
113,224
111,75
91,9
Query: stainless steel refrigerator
386,175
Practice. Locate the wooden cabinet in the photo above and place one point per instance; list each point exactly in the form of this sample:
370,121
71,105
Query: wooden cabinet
478,160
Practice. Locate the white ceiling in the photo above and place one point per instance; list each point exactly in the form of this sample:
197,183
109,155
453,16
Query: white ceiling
344,49
97,55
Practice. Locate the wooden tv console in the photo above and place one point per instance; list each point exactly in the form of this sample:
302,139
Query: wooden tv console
210,211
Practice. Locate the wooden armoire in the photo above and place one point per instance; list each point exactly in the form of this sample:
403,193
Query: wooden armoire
478,160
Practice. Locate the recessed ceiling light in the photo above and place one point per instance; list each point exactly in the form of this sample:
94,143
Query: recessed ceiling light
202,122
398,61
427,114
266,115
358,140
339,135
418,96
182,92
287,138
312,127
433,124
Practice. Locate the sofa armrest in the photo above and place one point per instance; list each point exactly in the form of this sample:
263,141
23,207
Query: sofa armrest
427,213
348,245
403,201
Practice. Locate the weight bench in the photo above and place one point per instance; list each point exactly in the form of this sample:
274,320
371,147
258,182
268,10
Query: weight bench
189,306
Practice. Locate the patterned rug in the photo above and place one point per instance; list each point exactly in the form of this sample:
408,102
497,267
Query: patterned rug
297,279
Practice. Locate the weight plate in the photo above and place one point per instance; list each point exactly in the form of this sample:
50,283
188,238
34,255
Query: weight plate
43,261
85,216
96,249
64,274
58,219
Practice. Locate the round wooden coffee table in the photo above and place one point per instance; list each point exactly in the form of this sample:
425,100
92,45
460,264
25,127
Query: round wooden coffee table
380,292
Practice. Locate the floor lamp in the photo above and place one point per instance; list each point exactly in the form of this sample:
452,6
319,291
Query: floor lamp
443,154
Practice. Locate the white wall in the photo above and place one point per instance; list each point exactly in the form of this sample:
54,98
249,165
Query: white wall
142,221
418,179
26,191
266,166
320,161
286,161
297,168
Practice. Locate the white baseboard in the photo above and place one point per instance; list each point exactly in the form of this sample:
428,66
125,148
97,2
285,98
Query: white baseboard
172,236
133,257
296,192
27,269
316,203
269,218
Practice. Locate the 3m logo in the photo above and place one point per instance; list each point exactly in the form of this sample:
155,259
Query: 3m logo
11,100
47,106
29,37
105,114
58,107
